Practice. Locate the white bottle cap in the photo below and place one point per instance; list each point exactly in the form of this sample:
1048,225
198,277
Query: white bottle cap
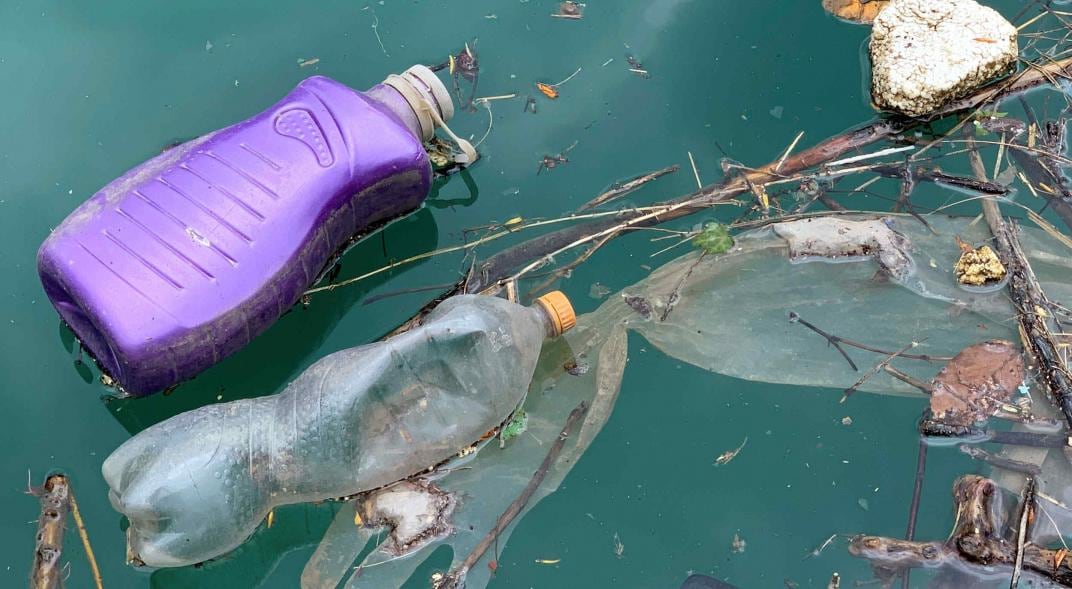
424,92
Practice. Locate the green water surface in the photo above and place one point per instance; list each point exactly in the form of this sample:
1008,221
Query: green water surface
90,89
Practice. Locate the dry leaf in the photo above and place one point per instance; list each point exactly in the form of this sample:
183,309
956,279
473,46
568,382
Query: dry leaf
974,384
857,11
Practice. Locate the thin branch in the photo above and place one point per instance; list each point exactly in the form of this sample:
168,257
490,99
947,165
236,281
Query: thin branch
456,578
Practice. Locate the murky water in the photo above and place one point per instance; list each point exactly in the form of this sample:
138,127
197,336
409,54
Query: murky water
90,89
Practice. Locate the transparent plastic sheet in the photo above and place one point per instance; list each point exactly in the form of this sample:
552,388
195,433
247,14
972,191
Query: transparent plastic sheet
197,485
496,475
730,317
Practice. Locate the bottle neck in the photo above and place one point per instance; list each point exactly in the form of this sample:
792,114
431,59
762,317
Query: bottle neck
394,102
549,328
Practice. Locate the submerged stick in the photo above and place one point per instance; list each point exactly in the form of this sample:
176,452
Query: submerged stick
969,434
1000,461
83,535
456,578
913,510
55,502
835,340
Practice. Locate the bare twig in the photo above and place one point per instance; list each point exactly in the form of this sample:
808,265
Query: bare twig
913,509
1027,507
620,189
83,535
55,503
456,578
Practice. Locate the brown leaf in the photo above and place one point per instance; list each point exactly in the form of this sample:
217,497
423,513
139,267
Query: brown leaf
973,385
858,11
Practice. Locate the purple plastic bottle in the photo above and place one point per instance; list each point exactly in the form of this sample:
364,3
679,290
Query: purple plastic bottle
189,256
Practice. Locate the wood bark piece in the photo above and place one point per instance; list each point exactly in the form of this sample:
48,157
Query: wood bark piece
977,541
55,503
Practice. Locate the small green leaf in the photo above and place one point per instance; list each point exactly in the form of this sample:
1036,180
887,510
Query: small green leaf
714,238
515,427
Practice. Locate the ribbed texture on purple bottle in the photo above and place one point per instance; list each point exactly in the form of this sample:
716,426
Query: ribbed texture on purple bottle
189,256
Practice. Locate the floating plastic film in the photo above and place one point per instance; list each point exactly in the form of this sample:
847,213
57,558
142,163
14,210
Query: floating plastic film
881,281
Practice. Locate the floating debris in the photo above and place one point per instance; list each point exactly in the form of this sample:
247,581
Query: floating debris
729,455
549,162
640,305
619,548
714,238
977,382
575,368
547,90
570,10
308,62
856,11
598,290
978,266
517,425
636,67
739,543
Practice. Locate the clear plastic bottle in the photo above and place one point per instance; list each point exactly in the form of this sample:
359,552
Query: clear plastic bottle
197,485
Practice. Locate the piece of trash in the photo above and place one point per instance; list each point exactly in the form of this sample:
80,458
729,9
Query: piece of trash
547,90
863,504
729,455
598,291
550,162
925,54
208,45
640,305
978,267
209,514
846,420
414,513
636,67
569,10
819,549
777,111
714,238
517,425
530,105
619,548
548,560
856,11
738,544
575,368
140,351
837,239
308,62
977,382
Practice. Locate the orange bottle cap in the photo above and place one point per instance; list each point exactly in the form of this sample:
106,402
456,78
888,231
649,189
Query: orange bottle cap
559,309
